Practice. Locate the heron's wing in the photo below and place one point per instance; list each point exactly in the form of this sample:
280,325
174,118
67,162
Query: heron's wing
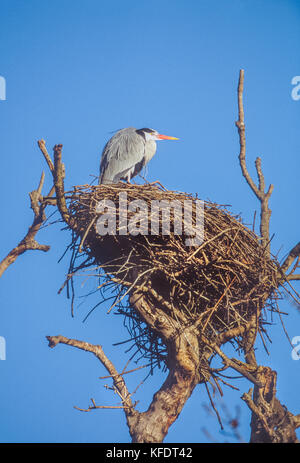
120,154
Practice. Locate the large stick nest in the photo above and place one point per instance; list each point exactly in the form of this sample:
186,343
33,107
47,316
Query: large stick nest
218,285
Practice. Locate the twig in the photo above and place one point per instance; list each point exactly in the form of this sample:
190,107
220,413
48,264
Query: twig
217,304
213,406
207,242
95,407
86,233
126,372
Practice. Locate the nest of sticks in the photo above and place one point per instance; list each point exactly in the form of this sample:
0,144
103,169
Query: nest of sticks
218,285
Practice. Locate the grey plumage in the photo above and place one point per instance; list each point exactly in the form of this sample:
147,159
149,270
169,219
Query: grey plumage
127,152
124,157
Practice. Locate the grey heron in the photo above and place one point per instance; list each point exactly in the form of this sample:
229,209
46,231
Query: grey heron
127,152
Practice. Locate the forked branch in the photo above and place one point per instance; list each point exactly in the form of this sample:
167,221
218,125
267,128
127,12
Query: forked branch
117,378
29,242
271,421
259,190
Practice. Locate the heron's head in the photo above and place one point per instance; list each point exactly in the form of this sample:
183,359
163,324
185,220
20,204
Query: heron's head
151,134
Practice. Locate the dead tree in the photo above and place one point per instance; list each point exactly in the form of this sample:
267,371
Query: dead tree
184,303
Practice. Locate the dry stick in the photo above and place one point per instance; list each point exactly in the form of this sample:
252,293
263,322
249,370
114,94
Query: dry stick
58,178
86,233
95,407
29,242
58,173
239,367
293,254
253,225
126,372
217,304
293,277
293,289
213,406
207,242
259,191
129,289
97,350
43,149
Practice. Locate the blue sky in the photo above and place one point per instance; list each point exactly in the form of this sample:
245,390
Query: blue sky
77,70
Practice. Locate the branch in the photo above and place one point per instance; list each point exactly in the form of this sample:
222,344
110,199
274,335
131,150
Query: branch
185,366
58,172
244,369
294,276
118,380
97,350
29,242
259,190
222,338
95,407
293,254
247,397
271,421
58,180
43,149
297,421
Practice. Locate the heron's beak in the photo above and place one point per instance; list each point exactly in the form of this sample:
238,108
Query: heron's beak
166,137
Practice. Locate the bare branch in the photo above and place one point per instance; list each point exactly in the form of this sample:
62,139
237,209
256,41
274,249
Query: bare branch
118,381
43,149
259,191
95,407
29,242
294,276
271,421
58,180
58,172
293,254
97,350
246,370
124,372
